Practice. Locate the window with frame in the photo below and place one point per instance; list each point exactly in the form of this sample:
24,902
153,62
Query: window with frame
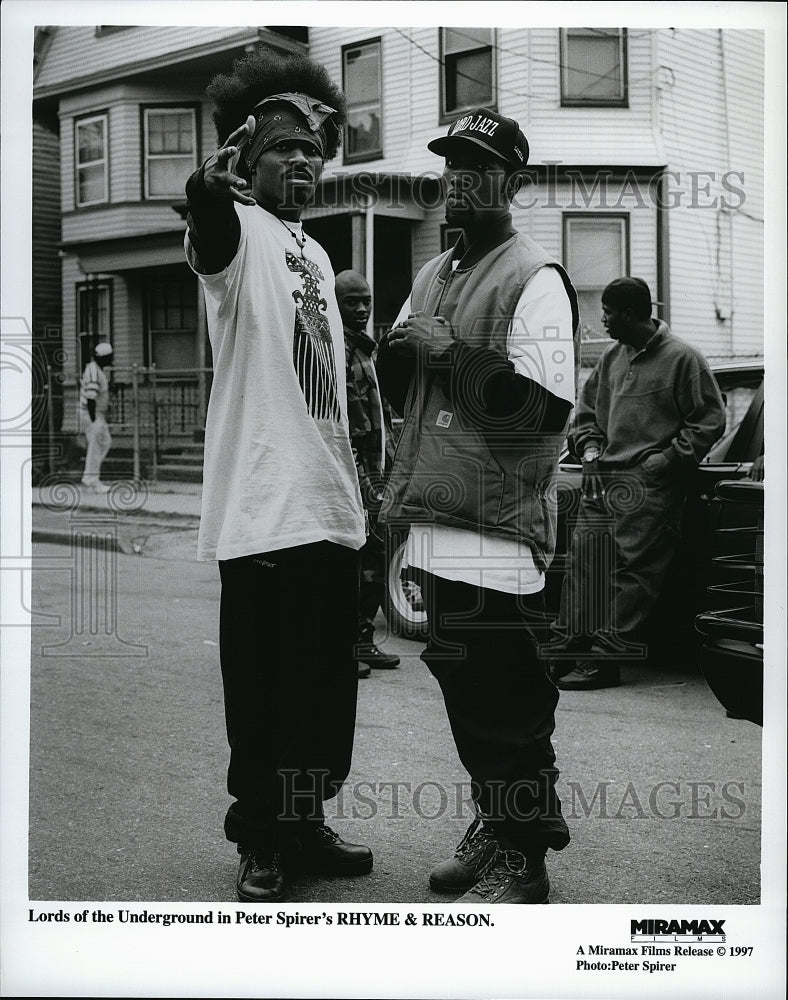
91,160
467,58
596,250
170,150
594,67
94,313
363,87
172,324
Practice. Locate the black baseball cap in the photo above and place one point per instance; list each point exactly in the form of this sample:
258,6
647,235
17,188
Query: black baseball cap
629,292
488,130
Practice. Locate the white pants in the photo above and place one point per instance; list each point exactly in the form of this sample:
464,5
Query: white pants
98,440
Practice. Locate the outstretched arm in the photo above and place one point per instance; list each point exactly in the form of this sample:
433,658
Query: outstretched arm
214,229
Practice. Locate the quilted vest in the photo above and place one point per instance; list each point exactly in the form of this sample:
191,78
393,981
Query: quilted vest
493,476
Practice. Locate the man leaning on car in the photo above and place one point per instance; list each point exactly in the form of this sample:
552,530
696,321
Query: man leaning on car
649,412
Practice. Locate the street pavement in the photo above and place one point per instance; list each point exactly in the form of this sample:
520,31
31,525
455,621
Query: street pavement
128,754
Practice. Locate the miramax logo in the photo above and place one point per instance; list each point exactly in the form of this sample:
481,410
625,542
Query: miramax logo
677,930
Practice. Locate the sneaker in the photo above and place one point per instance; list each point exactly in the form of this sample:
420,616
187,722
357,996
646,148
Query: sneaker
368,652
473,854
325,852
95,487
511,877
589,675
260,878
363,671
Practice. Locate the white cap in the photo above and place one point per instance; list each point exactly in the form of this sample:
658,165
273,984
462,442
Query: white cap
102,350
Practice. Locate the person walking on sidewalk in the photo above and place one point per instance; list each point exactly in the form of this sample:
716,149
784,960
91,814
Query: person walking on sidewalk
648,413
371,443
93,403
281,508
481,362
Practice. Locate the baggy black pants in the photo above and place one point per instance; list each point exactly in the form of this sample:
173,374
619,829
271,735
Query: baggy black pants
620,554
288,623
500,703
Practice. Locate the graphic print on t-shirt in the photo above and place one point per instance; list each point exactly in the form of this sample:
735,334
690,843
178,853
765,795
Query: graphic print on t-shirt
313,349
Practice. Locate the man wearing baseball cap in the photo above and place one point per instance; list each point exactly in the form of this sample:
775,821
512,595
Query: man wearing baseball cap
648,413
481,364
93,404
281,507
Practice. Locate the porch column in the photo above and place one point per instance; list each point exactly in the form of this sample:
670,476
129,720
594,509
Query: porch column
358,243
362,246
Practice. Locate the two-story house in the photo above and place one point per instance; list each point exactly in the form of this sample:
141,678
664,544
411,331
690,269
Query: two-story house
646,156
646,159
133,124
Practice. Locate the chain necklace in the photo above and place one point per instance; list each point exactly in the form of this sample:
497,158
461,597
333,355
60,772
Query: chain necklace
300,240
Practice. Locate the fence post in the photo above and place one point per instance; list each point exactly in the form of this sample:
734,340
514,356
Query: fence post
155,458
50,422
135,394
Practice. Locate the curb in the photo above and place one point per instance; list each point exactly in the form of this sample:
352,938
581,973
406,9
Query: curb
56,537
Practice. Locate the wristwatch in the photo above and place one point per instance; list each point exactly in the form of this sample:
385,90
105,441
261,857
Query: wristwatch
591,454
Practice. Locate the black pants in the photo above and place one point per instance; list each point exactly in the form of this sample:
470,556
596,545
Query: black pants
500,703
288,624
621,552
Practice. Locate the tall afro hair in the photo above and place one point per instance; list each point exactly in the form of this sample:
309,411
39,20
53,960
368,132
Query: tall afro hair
264,72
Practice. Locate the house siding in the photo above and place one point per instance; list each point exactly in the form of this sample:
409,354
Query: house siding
707,101
78,52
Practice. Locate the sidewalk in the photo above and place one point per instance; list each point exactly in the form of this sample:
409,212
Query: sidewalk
142,517
144,498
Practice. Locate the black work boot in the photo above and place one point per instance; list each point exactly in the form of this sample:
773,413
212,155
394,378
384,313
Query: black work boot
589,675
260,878
367,652
325,852
473,853
511,877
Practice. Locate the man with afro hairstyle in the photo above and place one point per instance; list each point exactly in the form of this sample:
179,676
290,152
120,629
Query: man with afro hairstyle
281,509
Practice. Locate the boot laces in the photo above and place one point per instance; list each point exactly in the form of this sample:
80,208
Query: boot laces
261,860
475,840
327,833
502,866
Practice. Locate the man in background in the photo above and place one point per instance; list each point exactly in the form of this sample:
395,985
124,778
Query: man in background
93,403
372,449
648,413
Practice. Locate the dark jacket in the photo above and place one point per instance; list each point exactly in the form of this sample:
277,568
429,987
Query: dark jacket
370,432
480,442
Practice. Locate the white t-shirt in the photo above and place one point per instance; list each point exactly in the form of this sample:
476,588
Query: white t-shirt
540,347
94,385
278,468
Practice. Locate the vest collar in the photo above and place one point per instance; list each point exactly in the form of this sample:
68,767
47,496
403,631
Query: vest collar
470,255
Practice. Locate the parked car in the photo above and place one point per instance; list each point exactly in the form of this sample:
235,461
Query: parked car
731,458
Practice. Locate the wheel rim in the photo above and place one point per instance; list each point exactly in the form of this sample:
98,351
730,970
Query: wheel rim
399,588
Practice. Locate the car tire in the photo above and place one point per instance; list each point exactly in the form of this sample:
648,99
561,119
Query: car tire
403,608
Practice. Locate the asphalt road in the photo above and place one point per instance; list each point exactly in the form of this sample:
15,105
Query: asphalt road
127,759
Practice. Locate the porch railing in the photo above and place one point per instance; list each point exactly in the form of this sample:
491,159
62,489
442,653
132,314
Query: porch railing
153,410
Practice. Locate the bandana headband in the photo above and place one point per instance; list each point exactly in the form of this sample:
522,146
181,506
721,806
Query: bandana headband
303,117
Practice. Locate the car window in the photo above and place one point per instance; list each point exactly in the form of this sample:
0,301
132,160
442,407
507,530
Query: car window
739,391
737,401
